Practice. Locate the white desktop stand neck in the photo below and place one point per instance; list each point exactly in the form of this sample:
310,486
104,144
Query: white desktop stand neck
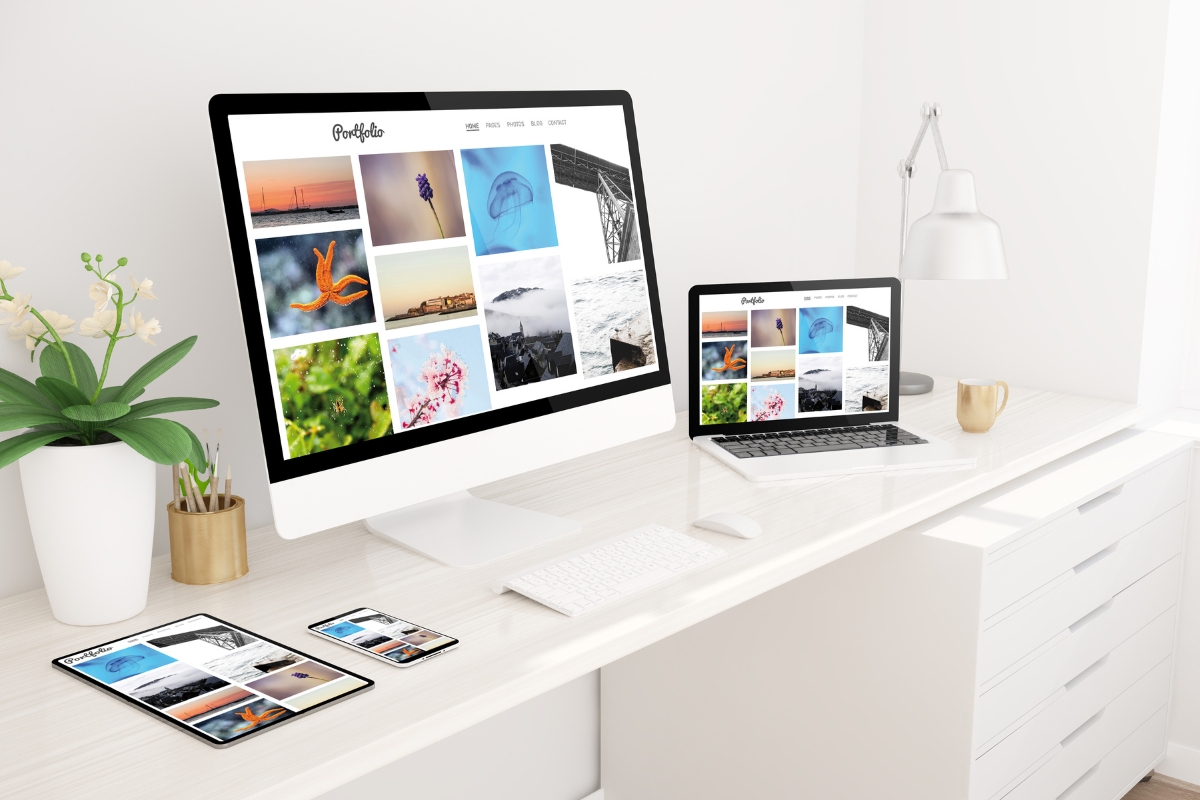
460,530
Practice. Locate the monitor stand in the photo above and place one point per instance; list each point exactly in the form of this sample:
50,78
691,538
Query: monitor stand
460,530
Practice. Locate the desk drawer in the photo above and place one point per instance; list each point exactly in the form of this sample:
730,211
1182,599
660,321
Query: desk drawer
1128,761
1073,705
1151,598
1083,590
1084,747
1044,554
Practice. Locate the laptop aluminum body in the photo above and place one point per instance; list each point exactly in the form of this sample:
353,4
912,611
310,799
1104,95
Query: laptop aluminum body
842,335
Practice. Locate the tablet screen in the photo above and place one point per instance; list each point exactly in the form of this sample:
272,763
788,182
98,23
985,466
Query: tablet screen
213,679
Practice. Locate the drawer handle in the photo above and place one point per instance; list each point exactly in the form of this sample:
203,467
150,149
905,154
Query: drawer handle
1081,677
1082,729
1091,561
1092,615
1096,502
1079,784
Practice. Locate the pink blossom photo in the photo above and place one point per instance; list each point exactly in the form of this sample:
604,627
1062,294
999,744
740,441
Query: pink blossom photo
439,376
771,402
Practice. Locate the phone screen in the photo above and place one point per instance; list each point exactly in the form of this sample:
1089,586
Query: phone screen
383,635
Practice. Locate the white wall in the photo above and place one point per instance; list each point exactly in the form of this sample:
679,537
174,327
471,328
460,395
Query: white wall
1170,361
1055,108
747,118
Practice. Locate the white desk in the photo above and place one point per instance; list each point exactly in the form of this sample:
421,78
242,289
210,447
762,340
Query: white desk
61,738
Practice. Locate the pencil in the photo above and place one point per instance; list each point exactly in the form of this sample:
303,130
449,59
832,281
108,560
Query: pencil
193,494
187,498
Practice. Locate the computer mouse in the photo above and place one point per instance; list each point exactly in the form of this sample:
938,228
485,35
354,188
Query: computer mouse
730,523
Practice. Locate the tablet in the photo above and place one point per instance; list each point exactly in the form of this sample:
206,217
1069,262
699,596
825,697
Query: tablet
214,680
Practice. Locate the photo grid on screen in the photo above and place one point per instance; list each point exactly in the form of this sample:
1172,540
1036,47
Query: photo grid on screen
218,679
384,635
404,287
808,355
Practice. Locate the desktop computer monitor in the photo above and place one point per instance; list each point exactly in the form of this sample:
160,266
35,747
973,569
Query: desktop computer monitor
439,290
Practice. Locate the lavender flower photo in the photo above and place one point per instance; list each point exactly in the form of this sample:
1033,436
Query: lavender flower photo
412,197
773,327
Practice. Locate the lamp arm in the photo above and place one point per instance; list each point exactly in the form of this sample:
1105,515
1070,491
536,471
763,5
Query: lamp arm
929,119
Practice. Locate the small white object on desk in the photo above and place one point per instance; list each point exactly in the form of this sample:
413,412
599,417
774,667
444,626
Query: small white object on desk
597,575
729,523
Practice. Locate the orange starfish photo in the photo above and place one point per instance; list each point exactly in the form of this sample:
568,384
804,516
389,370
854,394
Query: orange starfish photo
325,285
254,719
730,361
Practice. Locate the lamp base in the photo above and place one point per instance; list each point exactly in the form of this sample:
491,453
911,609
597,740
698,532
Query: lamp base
915,383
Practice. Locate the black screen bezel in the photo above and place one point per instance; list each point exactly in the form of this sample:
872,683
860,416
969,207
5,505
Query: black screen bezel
160,714
426,653
262,370
798,423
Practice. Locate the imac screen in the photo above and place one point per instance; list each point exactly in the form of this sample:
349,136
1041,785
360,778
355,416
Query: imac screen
426,268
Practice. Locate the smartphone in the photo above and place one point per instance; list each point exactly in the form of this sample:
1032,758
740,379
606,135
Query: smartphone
383,636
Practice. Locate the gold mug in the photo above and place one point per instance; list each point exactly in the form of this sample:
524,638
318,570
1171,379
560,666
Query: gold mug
977,409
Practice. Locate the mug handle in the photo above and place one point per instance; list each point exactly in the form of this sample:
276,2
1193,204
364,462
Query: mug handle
1003,404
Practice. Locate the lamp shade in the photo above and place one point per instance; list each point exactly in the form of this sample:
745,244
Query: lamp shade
954,241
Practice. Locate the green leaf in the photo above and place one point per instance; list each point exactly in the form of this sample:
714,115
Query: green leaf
153,369
198,456
101,412
109,393
26,443
160,440
165,405
62,393
55,366
16,415
15,389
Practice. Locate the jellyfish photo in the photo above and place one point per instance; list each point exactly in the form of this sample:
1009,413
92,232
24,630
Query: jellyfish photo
821,330
510,191
509,199
124,664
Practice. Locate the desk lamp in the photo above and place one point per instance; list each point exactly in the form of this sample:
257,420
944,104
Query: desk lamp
952,242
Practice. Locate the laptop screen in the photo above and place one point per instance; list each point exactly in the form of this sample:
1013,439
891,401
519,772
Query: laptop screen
818,353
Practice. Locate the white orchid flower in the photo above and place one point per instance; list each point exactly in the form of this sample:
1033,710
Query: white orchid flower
8,271
29,330
13,311
62,324
101,292
145,328
102,324
142,288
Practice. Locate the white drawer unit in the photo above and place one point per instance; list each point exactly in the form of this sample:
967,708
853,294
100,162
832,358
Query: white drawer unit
1018,646
1078,572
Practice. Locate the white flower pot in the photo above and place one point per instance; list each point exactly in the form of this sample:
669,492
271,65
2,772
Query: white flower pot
91,510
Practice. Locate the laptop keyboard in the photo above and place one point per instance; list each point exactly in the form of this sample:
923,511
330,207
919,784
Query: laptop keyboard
823,440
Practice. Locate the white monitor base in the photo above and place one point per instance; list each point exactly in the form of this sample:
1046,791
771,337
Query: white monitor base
460,530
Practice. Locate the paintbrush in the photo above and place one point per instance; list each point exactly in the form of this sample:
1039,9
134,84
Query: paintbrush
228,485
175,485
214,498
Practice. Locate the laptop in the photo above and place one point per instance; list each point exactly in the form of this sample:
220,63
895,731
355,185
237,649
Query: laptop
800,379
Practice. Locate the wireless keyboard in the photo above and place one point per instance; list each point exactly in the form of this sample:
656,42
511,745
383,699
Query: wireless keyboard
595,576
756,445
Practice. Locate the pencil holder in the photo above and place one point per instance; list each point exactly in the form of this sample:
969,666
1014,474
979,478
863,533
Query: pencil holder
208,548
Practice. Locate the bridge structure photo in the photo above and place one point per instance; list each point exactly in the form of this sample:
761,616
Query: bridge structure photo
222,637
878,333
613,187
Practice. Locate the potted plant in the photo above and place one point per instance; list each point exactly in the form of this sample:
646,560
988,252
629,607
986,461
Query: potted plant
87,457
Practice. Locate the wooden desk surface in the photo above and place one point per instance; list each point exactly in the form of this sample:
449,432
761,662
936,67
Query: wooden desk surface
61,738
